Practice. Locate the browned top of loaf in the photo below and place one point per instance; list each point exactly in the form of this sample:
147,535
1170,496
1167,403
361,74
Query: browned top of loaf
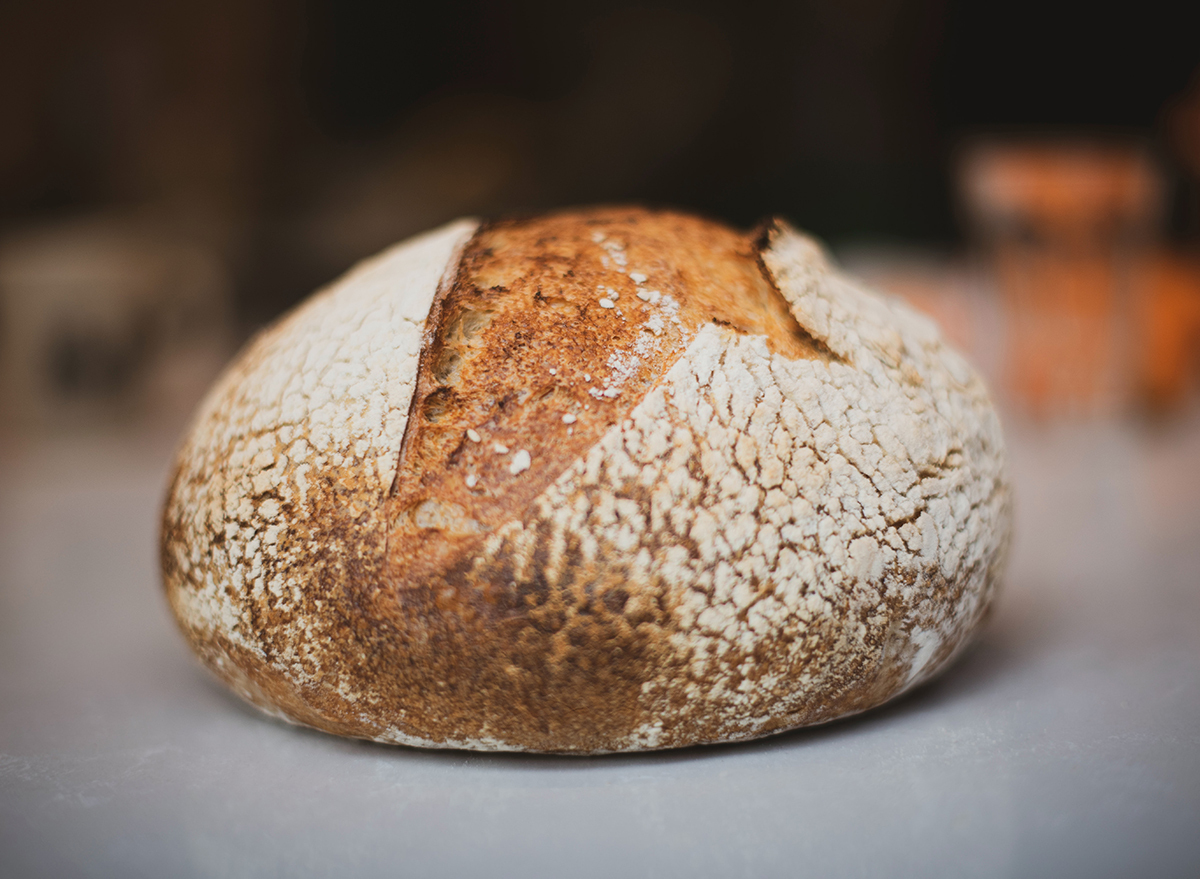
574,314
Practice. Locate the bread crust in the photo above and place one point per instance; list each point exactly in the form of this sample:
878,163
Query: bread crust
775,499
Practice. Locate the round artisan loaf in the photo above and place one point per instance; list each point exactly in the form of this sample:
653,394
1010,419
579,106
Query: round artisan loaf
604,480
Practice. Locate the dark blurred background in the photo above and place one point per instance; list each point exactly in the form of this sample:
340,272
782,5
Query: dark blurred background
172,175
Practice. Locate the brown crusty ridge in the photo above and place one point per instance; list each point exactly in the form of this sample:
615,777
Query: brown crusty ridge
542,343
600,480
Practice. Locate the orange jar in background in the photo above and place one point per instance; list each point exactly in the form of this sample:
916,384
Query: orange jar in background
1097,314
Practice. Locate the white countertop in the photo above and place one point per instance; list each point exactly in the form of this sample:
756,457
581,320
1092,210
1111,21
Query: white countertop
1066,742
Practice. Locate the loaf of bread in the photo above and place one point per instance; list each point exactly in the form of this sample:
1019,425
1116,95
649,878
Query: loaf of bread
602,480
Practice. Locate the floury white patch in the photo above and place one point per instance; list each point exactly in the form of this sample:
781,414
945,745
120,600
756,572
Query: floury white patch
334,378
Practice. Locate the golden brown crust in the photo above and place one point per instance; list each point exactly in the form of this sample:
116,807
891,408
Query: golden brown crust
554,329
575,314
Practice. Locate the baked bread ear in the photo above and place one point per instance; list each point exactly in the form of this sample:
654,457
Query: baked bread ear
602,480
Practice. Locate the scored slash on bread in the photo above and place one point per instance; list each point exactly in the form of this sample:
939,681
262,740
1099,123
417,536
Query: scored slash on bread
595,481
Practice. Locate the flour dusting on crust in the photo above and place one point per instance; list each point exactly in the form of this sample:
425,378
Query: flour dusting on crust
761,541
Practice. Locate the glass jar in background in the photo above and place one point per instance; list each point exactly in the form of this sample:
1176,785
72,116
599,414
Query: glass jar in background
1068,229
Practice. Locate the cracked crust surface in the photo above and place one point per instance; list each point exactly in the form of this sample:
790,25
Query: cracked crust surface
600,481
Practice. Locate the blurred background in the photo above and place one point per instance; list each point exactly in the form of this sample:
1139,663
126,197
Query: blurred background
174,175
